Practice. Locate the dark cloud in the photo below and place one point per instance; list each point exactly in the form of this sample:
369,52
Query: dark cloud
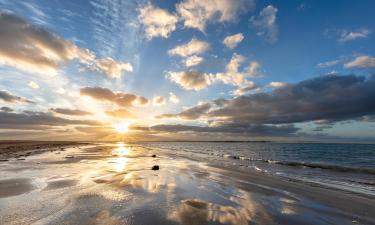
119,98
34,49
70,112
330,98
6,109
254,130
189,114
120,113
37,120
8,97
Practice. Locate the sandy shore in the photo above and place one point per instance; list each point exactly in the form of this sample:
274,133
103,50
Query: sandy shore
18,149
116,184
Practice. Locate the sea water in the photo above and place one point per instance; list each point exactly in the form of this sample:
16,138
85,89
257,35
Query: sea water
349,167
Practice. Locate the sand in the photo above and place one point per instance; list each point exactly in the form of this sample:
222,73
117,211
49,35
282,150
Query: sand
115,184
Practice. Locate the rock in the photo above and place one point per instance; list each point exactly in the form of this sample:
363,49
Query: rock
153,156
69,157
156,167
21,159
3,160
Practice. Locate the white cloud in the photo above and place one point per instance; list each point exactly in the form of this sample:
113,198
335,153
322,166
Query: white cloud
250,86
233,75
278,84
112,68
353,35
266,22
328,63
253,69
190,80
173,98
158,22
197,13
158,101
193,47
233,40
193,61
32,84
361,62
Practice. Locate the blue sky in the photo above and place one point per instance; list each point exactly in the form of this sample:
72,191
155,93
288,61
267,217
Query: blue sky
143,48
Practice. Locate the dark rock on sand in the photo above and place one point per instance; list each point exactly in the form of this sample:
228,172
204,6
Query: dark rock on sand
156,167
153,156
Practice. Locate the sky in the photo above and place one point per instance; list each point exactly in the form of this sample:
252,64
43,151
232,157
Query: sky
223,70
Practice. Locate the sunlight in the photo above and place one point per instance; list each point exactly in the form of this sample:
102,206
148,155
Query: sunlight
121,150
122,127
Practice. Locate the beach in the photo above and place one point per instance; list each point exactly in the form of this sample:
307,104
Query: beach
120,183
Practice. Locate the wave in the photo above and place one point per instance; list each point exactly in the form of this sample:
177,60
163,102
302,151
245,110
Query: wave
307,164
324,166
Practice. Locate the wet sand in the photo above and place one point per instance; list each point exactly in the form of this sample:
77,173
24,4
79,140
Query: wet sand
21,149
115,184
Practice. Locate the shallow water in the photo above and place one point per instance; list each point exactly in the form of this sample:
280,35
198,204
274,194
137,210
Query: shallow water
349,167
114,184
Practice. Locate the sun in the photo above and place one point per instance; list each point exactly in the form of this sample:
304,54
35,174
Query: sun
122,127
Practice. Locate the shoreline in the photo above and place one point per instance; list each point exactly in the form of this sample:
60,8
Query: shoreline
104,180
360,203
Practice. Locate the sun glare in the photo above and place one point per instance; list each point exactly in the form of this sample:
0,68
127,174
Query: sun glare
122,127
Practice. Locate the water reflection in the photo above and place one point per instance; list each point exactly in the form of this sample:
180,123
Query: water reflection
197,212
122,152
120,164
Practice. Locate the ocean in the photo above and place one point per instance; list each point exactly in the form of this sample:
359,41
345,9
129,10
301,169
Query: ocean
349,167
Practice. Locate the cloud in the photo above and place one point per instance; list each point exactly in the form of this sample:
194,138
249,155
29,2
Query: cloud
189,114
266,22
193,47
173,98
354,35
190,80
193,61
37,120
331,98
112,68
193,80
119,98
277,84
328,63
33,85
244,129
253,69
233,40
196,14
243,90
158,101
158,22
34,49
6,109
120,113
70,112
8,97
234,76
361,62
